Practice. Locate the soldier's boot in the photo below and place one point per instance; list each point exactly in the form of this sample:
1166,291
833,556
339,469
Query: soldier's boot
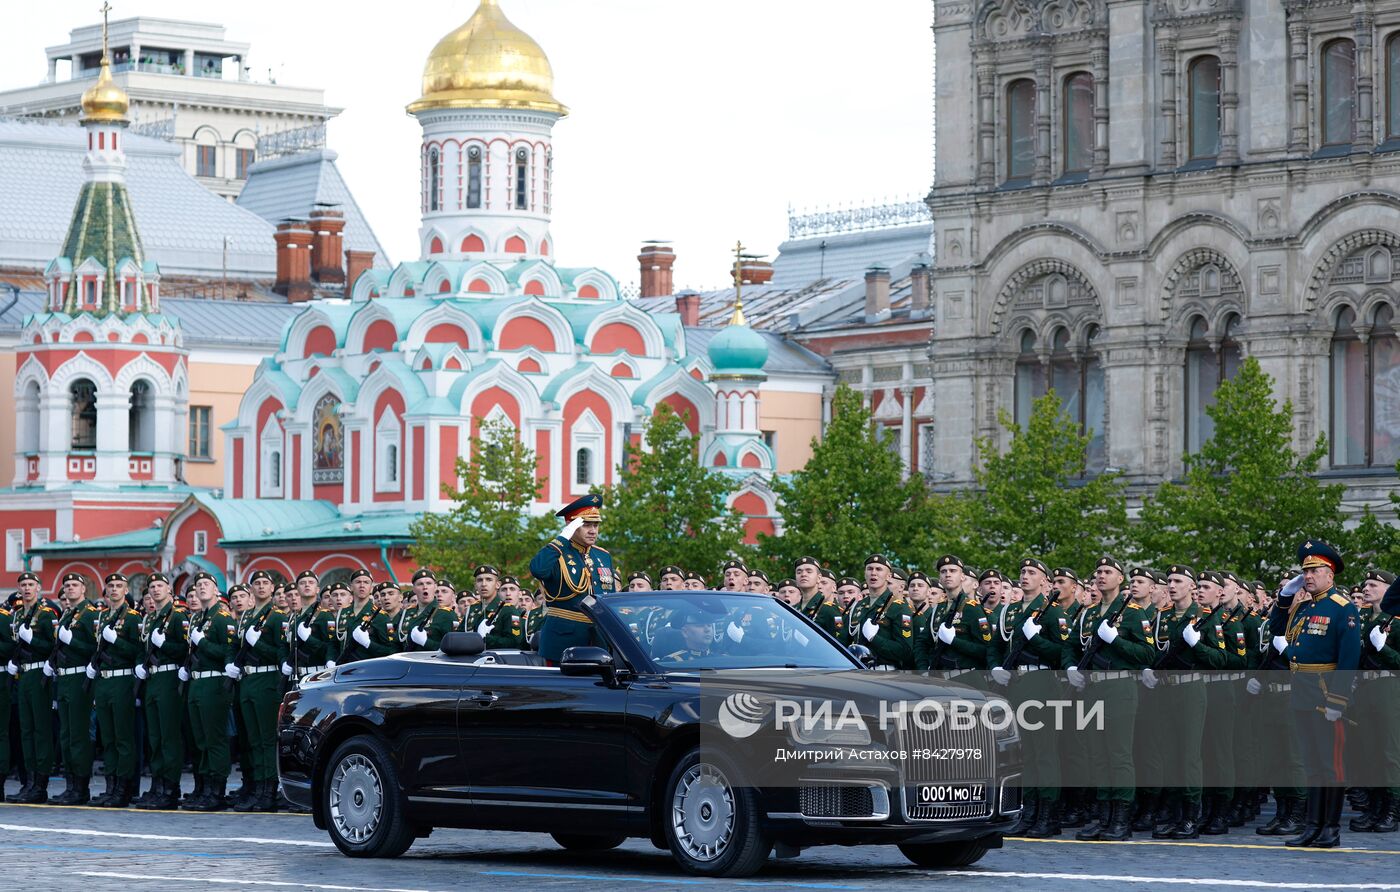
212,799
1297,812
1390,818
140,798
1312,820
126,786
1094,829
1283,806
245,789
251,801
1119,828
196,793
38,793
1047,822
1189,827
170,796
1330,835
109,787
23,791
1359,798
1168,817
1030,805
1238,812
1146,817
1072,811
66,797
267,799
82,790
1367,822
1213,823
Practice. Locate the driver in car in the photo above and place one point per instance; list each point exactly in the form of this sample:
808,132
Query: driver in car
697,632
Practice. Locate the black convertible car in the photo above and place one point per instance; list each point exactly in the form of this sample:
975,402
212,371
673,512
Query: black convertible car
614,743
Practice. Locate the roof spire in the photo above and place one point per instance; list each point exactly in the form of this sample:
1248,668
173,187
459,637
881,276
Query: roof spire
738,317
106,8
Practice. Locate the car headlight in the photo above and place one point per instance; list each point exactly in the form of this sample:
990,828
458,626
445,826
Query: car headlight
844,733
1000,716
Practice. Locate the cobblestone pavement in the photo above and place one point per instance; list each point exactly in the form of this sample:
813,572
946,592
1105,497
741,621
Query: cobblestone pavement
54,848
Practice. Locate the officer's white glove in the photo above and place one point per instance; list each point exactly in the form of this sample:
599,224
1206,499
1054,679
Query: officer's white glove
1030,628
12,668
196,636
330,664
286,669
90,672
158,638
183,674
303,631
232,671
1000,675
361,636
1377,637
735,633
1149,678
571,527
946,633
1107,632
419,636
1190,635
26,634
251,636
109,635
869,629
800,638
1292,586
1331,714
48,670
65,635
1076,678
1253,686
1280,643
140,672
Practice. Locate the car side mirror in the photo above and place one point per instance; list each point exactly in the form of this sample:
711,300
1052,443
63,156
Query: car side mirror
580,661
862,653
462,644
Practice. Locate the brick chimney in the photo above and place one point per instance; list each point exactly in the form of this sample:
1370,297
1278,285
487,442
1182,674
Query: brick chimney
918,290
877,294
755,272
688,305
356,262
293,238
327,224
656,261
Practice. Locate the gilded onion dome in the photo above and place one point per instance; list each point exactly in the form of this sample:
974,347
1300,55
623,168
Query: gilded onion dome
104,100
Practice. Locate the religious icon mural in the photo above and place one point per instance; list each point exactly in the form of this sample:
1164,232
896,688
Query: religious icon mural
328,450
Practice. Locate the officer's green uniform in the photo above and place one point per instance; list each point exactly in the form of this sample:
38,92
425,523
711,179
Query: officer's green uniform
1222,717
7,653
34,692
969,647
161,700
383,635
893,644
313,652
114,697
1377,692
534,618
72,693
209,699
347,621
1079,800
507,629
827,616
571,578
260,693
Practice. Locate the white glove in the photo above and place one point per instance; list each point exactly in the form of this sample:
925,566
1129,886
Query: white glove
1190,635
1030,628
140,672
419,636
232,671
1000,675
869,629
12,668
735,633
183,675
251,636
1149,678
109,635
800,638
1280,643
571,527
1253,686
330,664
303,631
484,628
1107,632
361,637
26,634
946,633
1291,586
158,638
286,669
196,636
48,670
65,635
1076,678
1377,637
90,672
1331,714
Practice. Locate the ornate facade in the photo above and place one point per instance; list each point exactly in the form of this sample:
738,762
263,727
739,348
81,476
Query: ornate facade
1155,190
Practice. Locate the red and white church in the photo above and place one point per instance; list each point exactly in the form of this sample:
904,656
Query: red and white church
353,424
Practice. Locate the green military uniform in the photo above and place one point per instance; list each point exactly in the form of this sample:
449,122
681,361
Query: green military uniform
212,637
1079,803
7,653
34,693
571,578
534,619
1228,637
1377,692
824,614
347,621
1005,620
973,635
163,704
114,697
499,624
431,620
311,639
74,697
893,643
259,695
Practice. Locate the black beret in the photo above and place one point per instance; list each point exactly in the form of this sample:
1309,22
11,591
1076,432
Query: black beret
787,583
1379,576
510,580
1214,576
115,577
306,574
640,574
203,575
424,573
260,574
877,559
824,573
950,560
846,580
1067,573
27,577
1142,573
486,570
361,572
1109,561
672,570
1036,563
761,575
919,574
733,565
806,559
1182,570
691,574
71,577
991,573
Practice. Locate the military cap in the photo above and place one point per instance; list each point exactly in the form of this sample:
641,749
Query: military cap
1214,576
1036,563
991,573
27,577
444,582
1158,577
338,587
919,574
806,559
510,580
692,618
1318,553
115,577
640,574
424,573
486,570
239,587
260,574
1228,576
356,574
71,577
898,573
761,575
691,574
877,559
1258,584
672,570
787,583
202,575
733,565
1142,573
1379,576
1067,573
1182,570
588,508
306,574
950,560
386,586
825,573
1109,561
846,580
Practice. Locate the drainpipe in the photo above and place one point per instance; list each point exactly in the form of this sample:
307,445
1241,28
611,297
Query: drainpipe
14,298
384,556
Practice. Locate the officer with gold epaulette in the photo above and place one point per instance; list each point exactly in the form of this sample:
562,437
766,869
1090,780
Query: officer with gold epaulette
493,617
33,624
77,642
965,635
573,571
212,636
882,621
164,647
432,620
310,631
114,693
259,679
806,574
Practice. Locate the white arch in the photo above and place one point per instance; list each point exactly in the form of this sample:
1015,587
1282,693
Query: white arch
680,383
32,370
403,278
534,308
371,312
545,274
614,360
445,313
260,391
643,322
311,394
487,272
500,247
601,383
294,344
408,386
339,555
607,288
512,382
428,241
143,366
462,235
81,366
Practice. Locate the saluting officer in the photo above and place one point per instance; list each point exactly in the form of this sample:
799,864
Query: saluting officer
573,570
260,635
77,642
211,638
882,621
114,693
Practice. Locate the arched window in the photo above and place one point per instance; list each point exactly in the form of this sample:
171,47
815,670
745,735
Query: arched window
271,449
1077,379
434,179
1338,108
28,419
1365,391
388,436
474,177
140,419
1207,366
82,399
1392,87
1079,122
1203,84
1030,378
583,467
1020,130
522,179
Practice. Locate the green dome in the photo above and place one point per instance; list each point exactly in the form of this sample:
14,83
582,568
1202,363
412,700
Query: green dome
738,350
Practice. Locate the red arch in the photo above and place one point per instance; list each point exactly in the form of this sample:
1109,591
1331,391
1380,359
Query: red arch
588,291
515,245
686,410
479,286
435,246
319,340
756,514
447,333
82,337
452,363
617,336
544,248
720,460
535,288
444,286
380,336
750,460
473,244
529,366
524,331
488,400
622,370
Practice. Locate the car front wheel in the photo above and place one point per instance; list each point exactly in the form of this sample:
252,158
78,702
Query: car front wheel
945,854
711,825
364,807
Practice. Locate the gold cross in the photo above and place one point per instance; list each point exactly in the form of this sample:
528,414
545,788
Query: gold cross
106,8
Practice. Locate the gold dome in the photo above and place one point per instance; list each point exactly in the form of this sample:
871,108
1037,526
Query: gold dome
488,63
104,100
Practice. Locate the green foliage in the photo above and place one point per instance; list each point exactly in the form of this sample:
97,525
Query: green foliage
1034,500
491,521
1247,498
666,507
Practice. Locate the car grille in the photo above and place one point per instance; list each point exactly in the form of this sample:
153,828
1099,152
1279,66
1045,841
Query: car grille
914,739
837,802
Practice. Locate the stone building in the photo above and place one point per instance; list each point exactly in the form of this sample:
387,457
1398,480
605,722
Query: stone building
1130,196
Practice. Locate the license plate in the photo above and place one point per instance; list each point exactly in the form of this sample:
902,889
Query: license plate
949,794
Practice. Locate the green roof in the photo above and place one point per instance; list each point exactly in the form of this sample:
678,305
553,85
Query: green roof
147,539
104,230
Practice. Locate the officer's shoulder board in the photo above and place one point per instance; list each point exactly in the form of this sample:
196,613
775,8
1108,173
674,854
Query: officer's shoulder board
602,549
1339,599
130,612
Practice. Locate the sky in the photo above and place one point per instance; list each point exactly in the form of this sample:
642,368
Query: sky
699,123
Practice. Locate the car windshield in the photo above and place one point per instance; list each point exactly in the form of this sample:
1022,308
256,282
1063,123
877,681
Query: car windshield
721,630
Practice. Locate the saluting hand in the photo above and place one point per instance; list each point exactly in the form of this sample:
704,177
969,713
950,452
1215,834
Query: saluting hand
571,527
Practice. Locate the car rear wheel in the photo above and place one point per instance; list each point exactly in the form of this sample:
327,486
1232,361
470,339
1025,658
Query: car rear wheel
945,854
711,825
364,807
584,842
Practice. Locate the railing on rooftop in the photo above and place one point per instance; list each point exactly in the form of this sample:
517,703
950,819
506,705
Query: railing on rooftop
292,142
831,221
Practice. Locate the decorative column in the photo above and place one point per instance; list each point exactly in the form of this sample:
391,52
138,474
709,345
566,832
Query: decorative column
1363,138
1166,57
1042,117
1100,71
1298,72
55,435
1229,37
113,439
986,125
906,431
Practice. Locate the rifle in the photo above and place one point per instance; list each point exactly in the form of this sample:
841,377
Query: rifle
97,655
146,662
1095,643
243,647
938,646
58,644
365,622
1013,653
1175,649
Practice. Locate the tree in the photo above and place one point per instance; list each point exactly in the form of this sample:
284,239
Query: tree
491,521
851,499
1035,501
1247,498
666,507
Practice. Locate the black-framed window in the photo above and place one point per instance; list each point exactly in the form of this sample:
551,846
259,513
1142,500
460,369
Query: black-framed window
1207,366
206,161
1203,108
1338,108
1020,130
434,179
140,418
1078,124
243,159
522,179
1365,393
1392,86
82,396
1076,376
200,419
474,177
